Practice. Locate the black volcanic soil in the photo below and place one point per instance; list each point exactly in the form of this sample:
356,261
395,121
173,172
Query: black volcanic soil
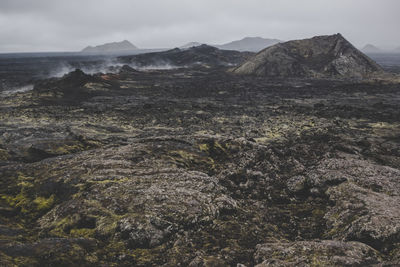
199,167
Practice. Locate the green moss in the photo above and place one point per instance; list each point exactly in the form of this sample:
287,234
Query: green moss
316,262
190,159
213,146
62,226
149,257
332,233
319,213
43,203
6,260
4,154
113,249
24,199
204,147
107,181
221,146
22,177
106,225
68,149
19,201
82,232
24,261
142,257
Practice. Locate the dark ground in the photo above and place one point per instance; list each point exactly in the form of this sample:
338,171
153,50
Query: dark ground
200,167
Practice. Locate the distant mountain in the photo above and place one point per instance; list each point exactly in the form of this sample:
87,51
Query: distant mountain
115,47
203,55
191,44
252,44
319,57
369,48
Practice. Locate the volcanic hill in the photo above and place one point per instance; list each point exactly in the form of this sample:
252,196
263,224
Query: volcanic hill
319,57
204,55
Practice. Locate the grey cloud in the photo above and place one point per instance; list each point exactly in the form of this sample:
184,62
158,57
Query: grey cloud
45,25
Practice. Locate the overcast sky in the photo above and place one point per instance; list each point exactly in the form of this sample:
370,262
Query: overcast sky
70,25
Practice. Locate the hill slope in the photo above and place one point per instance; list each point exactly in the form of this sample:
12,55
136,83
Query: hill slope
318,57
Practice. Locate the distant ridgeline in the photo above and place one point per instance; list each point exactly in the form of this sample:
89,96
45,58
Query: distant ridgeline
248,44
251,44
111,47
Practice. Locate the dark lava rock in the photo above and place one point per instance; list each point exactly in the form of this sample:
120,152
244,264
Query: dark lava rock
200,55
48,252
316,253
127,69
72,80
75,86
321,56
200,167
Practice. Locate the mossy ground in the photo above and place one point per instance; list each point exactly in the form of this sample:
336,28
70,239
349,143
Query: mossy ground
202,173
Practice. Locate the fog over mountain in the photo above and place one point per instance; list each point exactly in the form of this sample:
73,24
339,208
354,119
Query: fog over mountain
253,44
72,25
369,48
249,44
190,44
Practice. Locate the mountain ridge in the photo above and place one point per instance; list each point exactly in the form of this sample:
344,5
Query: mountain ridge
124,45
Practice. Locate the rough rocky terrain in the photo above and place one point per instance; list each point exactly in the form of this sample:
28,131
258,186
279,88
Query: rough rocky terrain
200,167
319,57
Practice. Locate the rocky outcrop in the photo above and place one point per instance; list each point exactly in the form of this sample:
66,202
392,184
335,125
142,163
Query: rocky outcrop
77,86
322,56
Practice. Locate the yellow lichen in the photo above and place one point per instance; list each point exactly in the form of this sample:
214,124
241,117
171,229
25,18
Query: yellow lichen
204,147
43,203
142,256
67,149
4,154
82,232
